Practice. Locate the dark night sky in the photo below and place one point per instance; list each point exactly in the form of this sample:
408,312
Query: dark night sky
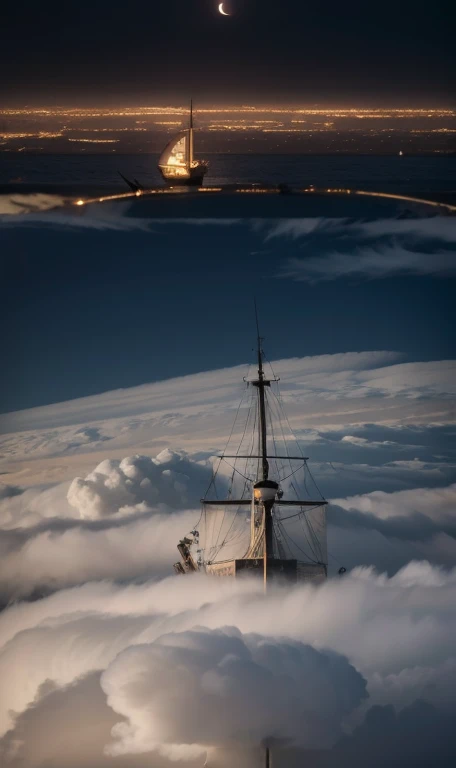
268,51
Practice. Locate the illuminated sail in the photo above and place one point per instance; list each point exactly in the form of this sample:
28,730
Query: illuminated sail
177,163
175,154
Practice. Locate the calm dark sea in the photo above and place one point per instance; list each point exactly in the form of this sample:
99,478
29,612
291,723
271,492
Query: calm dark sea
414,175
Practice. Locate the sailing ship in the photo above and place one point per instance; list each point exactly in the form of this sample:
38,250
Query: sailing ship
270,519
177,162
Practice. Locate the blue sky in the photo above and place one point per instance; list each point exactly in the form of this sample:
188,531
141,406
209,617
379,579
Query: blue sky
92,308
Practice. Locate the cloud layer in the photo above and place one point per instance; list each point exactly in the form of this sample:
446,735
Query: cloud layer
218,688
121,521
330,249
169,681
104,513
150,668
371,263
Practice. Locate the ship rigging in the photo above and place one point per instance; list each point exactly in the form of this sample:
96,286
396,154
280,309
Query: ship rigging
266,522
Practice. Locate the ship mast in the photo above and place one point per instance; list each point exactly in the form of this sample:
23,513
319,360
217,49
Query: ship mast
261,383
265,490
266,495
190,136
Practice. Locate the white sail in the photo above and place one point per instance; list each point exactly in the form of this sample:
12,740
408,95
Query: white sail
302,533
225,533
176,152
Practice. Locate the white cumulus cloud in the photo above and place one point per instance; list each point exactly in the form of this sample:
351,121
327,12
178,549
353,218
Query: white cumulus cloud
169,667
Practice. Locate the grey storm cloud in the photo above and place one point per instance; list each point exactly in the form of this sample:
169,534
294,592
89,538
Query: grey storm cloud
368,262
419,736
413,527
433,227
21,204
56,212
330,249
64,212
219,688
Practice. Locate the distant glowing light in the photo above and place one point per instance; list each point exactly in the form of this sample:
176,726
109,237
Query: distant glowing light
96,141
80,202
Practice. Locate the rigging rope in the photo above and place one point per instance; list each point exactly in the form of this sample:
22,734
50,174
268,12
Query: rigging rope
222,459
298,547
228,531
217,548
298,514
281,410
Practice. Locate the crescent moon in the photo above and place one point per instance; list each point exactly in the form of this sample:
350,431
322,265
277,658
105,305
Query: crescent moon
224,13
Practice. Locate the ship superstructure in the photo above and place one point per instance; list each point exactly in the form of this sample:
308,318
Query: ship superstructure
177,163
266,521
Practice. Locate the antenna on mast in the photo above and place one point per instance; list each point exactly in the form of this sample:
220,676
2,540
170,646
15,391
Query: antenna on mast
259,340
261,384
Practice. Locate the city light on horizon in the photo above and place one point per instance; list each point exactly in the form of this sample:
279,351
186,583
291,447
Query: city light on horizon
227,129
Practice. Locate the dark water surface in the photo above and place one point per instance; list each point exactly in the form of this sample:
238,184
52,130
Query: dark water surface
433,177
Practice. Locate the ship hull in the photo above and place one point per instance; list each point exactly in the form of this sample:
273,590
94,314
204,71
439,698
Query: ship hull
193,178
289,571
